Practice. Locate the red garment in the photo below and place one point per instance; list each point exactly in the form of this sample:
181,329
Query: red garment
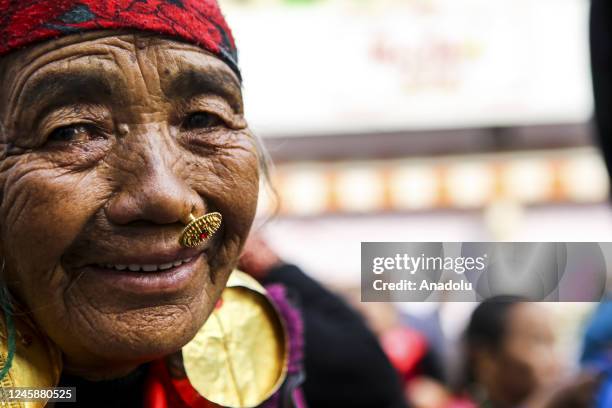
405,348
162,391
25,22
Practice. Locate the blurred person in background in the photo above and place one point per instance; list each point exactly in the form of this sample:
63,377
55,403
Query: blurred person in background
343,362
511,359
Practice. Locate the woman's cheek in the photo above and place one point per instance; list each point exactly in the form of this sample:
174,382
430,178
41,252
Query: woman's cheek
44,209
239,186
229,177
229,182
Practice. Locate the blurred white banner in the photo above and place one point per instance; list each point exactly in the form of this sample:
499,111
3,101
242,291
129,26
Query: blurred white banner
364,66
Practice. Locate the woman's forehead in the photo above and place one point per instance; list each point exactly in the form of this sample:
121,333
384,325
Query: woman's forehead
115,65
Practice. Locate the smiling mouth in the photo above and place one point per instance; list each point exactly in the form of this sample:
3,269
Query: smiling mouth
149,276
144,268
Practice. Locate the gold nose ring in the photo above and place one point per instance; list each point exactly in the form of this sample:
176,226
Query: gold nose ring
200,229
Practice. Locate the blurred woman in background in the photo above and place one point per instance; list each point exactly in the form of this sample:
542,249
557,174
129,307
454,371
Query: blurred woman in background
511,359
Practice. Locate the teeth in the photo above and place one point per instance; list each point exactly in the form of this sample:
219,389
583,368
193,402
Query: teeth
145,268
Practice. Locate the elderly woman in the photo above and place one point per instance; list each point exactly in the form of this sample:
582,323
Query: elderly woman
128,185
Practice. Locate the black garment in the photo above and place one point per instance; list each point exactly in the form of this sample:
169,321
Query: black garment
601,62
344,363
126,392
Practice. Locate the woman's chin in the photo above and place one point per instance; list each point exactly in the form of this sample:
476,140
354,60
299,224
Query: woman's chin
115,351
109,345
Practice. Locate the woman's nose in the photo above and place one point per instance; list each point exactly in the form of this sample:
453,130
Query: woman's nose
153,192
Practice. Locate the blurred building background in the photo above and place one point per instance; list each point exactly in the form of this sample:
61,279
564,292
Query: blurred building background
423,120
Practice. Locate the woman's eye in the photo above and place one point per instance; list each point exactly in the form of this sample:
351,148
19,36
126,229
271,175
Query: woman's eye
75,133
202,120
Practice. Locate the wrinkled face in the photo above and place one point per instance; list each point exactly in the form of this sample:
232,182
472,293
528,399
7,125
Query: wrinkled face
109,142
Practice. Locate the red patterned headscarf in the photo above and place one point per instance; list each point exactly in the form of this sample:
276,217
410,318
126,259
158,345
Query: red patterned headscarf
25,22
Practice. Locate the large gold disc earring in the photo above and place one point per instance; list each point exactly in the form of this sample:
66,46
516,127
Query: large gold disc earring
239,358
200,229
